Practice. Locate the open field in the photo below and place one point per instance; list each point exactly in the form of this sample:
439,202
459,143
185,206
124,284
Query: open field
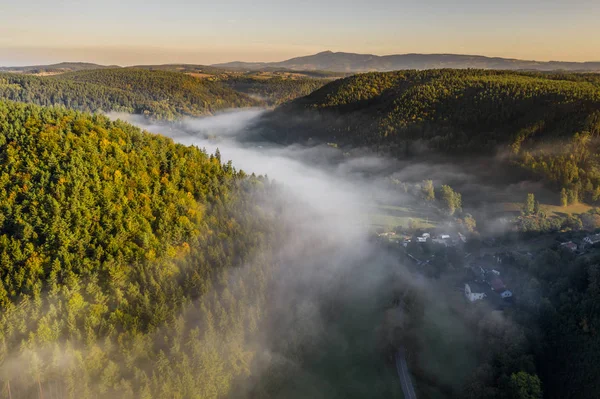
514,209
389,216
199,75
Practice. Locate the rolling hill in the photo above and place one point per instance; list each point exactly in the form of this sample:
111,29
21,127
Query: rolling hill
351,62
114,243
157,94
547,124
54,69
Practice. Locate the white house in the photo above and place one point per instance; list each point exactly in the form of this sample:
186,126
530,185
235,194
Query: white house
595,239
440,241
445,236
571,246
473,296
421,239
426,235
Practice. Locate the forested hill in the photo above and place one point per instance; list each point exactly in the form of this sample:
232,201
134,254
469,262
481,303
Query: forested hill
158,94
275,90
460,112
53,68
120,257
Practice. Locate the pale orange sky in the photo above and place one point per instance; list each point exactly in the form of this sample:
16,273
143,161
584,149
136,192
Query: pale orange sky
185,31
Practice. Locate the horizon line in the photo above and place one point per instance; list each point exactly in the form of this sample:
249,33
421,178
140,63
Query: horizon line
301,56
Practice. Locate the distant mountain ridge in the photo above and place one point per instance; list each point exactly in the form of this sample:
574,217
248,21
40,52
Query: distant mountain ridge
351,62
55,68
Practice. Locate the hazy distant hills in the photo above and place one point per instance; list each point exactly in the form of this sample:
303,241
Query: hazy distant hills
328,64
54,68
351,62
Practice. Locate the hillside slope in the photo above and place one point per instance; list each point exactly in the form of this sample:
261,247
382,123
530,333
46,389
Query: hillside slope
52,69
187,95
460,112
351,62
159,94
111,240
274,90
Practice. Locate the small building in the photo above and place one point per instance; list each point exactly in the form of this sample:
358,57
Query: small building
506,294
462,237
592,240
496,272
421,239
570,245
497,285
440,241
426,235
445,236
473,296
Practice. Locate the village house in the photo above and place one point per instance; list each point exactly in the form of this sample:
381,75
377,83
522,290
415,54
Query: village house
475,294
592,240
440,241
497,284
571,246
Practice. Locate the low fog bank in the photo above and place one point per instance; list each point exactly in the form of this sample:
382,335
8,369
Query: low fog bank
332,318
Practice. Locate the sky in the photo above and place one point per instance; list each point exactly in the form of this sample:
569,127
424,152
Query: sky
129,32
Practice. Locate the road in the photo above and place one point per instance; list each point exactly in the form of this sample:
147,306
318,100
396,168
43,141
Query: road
407,386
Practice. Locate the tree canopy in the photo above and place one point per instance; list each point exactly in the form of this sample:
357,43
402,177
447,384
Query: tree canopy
120,260
158,94
547,124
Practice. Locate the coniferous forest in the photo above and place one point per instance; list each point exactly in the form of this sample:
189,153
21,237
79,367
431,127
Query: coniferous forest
135,267
157,94
521,117
130,266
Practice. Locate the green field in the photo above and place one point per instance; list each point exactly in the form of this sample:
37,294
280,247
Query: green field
390,216
514,209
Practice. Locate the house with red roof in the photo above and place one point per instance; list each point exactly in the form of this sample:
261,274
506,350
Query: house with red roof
497,284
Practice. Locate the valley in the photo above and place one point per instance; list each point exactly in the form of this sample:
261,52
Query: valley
300,199
289,236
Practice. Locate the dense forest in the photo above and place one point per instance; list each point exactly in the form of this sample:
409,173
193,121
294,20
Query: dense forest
554,323
548,124
130,266
157,94
53,68
274,90
166,92
134,267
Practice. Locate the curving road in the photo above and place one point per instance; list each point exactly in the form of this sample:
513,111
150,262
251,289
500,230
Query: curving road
407,386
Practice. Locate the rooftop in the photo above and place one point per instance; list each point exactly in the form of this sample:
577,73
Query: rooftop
497,285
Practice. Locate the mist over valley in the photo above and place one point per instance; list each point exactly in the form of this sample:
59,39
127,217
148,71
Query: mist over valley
423,224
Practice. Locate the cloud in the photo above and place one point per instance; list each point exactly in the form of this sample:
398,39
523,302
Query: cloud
334,282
